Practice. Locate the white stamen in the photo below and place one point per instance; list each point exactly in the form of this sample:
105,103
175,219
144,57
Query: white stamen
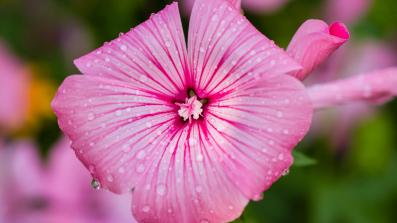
191,108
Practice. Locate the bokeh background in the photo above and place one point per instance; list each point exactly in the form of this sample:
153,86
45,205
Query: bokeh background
346,167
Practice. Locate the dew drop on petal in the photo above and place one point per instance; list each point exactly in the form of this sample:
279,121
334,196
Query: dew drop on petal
146,209
109,178
95,184
143,78
199,157
192,141
118,113
123,47
121,170
257,197
91,116
141,154
285,172
161,189
280,114
140,168
280,156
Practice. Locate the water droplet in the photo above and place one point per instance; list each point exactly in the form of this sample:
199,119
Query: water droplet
257,197
91,116
143,78
192,141
199,189
140,168
123,47
199,157
95,184
121,170
118,113
161,189
204,221
109,178
280,114
285,172
146,209
280,156
141,154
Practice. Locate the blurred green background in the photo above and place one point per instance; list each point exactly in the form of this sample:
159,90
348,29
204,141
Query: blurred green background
352,180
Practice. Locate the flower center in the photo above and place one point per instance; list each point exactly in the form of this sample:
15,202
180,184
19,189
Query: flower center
191,108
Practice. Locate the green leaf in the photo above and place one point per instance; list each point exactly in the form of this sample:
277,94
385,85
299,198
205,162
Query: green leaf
302,160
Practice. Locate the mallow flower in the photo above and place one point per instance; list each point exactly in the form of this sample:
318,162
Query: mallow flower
55,191
194,131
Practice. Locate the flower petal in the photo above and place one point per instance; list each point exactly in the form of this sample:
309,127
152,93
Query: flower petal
113,126
314,42
187,184
224,47
259,126
375,87
153,54
240,148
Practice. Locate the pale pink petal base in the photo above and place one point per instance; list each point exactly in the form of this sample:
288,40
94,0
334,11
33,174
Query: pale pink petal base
210,170
314,42
374,87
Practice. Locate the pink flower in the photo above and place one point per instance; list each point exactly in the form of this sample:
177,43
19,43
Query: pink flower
58,192
13,90
195,132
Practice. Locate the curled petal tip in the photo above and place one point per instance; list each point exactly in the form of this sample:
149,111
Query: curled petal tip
340,30
314,42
